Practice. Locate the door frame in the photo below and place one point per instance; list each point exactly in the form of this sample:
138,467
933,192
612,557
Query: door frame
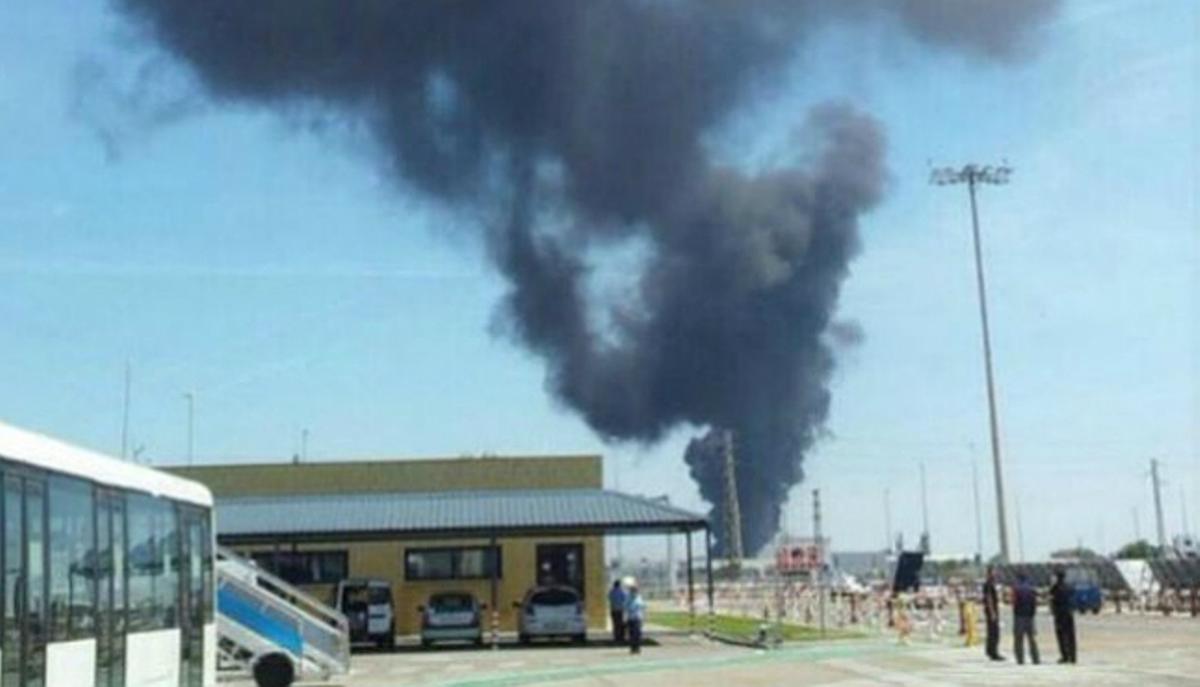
550,548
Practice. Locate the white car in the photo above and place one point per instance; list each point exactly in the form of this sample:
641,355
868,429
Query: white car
451,617
549,612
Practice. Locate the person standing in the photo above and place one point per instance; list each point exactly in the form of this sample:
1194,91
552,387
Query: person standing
1062,607
635,616
616,611
1024,603
991,615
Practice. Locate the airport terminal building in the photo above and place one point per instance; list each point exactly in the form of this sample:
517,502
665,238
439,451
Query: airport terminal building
491,526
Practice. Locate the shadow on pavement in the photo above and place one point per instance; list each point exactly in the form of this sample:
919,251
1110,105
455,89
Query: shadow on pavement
413,646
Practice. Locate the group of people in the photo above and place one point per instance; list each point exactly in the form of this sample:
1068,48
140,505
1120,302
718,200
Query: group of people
628,612
1024,599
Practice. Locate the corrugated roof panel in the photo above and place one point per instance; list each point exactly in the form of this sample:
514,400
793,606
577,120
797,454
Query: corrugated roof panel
312,514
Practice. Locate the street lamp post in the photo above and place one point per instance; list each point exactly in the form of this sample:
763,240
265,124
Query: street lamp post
191,436
973,175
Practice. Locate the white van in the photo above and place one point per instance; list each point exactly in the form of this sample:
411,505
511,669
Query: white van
367,605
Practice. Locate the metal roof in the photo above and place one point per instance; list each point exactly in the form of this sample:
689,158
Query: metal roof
456,513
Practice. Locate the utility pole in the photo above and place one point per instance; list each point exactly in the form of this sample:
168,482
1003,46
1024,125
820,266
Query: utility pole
887,519
821,548
1183,518
190,397
978,516
1020,534
926,547
733,513
125,412
973,175
1158,512
304,444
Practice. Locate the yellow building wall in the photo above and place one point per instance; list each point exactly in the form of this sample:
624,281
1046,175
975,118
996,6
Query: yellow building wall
423,475
385,560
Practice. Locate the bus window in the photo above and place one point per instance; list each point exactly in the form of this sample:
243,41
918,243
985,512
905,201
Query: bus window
14,563
144,565
166,590
73,561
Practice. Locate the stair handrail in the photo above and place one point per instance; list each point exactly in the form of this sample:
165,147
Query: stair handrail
303,607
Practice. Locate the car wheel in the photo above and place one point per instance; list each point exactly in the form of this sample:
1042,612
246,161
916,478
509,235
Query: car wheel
579,639
274,670
523,638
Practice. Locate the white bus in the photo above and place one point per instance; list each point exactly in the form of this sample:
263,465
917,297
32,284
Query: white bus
107,571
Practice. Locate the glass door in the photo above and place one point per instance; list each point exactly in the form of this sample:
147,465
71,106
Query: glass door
561,564
192,581
110,621
14,581
25,613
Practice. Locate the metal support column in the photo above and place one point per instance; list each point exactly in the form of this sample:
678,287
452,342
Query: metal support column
495,592
708,572
691,587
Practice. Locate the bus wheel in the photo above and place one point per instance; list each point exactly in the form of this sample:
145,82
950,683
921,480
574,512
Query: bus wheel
274,670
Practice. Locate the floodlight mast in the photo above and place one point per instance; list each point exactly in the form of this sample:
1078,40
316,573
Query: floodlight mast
973,175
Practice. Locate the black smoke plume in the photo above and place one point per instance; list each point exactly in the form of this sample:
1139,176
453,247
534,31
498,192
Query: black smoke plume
580,124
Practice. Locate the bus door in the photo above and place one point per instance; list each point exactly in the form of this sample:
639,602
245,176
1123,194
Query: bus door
23,650
110,621
194,586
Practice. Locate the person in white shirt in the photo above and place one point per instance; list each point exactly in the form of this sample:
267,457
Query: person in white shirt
635,616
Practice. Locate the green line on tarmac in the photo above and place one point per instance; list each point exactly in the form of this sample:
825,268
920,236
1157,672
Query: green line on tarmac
621,665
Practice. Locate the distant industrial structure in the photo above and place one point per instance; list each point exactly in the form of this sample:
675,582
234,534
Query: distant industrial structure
733,509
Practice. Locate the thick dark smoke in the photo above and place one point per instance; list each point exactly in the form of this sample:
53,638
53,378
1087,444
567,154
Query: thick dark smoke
581,123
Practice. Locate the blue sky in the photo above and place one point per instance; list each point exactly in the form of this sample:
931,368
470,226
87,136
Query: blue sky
264,263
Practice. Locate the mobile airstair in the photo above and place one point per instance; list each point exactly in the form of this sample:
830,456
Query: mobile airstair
263,621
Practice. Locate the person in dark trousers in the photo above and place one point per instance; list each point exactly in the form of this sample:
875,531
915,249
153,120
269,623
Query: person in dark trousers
616,611
1024,603
635,616
1062,606
991,614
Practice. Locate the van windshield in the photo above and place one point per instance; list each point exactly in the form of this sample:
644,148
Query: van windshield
362,596
555,597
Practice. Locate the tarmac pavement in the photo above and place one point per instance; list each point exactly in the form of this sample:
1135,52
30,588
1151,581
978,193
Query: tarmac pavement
1113,650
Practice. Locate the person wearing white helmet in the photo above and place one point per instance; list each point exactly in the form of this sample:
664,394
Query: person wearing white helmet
635,616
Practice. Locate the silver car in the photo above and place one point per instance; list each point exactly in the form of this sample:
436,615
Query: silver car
451,617
551,612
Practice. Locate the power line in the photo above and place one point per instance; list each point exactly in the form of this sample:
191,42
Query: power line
973,175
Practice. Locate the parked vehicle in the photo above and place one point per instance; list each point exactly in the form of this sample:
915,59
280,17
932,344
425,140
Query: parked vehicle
1088,596
551,612
452,617
367,605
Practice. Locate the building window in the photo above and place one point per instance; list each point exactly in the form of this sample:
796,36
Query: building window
305,567
463,563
